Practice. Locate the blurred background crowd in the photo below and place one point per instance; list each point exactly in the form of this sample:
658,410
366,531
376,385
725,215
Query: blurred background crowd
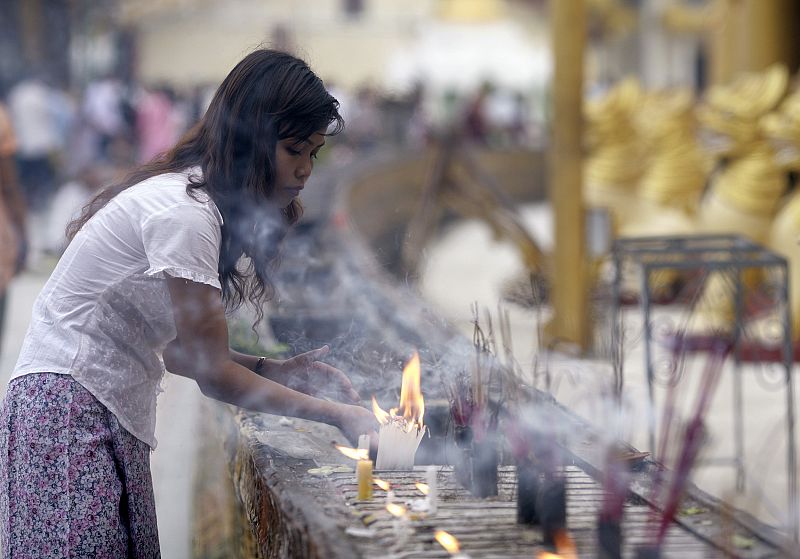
92,88
71,142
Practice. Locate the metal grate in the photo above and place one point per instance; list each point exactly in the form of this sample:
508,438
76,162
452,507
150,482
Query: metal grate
487,528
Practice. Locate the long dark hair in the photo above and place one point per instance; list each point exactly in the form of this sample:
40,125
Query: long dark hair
270,95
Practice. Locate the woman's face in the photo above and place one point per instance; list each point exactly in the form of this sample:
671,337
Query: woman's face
294,160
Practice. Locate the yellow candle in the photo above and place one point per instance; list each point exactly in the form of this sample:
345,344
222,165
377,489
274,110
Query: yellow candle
364,478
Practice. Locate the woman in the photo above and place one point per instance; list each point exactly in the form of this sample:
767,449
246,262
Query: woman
152,266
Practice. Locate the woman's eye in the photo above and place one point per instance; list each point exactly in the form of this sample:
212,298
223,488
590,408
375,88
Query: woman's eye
292,151
314,155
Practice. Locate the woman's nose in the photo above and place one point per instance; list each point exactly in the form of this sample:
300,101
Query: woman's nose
303,169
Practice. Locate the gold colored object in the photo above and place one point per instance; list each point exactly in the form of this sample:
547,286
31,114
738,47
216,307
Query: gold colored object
364,478
471,11
677,168
616,155
613,16
730,114
569,281
745,194
782,130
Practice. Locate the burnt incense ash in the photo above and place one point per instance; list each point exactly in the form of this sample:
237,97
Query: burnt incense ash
402,429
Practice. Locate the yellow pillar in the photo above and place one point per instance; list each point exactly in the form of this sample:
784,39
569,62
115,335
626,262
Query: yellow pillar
770,29
724,40
749,35
569,280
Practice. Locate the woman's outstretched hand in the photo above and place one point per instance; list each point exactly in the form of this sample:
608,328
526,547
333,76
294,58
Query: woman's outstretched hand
355,421
306,374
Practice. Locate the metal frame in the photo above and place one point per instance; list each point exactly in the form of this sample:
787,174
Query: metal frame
720,253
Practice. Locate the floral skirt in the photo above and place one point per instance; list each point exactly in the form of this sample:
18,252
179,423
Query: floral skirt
73,482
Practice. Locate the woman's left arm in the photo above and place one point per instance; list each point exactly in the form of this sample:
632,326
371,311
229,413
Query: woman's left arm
303,372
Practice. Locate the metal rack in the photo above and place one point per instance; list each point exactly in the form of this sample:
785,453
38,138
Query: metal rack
710,254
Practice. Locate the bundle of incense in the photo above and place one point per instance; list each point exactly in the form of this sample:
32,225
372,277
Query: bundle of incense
692,442
398,443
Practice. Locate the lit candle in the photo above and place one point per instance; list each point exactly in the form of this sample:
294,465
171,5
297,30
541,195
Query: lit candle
450,543
400,525
364,478
433,492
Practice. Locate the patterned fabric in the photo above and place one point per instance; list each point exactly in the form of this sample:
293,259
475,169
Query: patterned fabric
73,482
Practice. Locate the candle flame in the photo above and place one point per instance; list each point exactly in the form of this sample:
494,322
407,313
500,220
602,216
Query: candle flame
410,412
565,547
354,453
423,488
412,404
395,509
381,416
447,540
381,483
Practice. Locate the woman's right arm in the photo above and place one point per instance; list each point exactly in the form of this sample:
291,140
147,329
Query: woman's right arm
200,351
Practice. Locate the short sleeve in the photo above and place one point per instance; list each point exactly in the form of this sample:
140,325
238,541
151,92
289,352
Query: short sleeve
184,241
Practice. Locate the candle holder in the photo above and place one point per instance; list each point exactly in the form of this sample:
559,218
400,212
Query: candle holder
609,538
527,492
551,504
462,466
484,467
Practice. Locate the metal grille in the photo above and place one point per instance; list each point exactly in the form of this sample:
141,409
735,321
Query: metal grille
487,528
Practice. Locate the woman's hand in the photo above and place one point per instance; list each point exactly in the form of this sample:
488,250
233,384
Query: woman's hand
355,421
306,374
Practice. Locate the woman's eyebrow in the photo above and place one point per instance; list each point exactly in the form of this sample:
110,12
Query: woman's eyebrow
306,141
312,144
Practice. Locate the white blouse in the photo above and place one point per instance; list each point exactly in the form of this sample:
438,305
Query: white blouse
105,314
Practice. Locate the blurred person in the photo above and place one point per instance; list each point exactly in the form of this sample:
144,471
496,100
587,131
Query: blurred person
365,122
417,128
103,111
154,263
158,122
507,115
68,201
12,213
201,98
521,117
476,121
35,110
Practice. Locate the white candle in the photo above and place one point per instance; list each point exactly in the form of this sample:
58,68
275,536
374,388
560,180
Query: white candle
397,447
433,492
